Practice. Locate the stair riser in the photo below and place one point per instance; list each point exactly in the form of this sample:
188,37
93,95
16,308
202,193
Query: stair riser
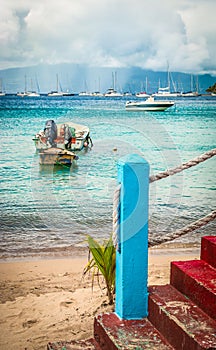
201,296
171,331
208,250
102,337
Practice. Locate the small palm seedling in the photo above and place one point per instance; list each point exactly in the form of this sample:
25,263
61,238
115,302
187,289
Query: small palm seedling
102,262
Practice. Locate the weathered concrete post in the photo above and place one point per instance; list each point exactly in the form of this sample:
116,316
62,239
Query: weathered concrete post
132,253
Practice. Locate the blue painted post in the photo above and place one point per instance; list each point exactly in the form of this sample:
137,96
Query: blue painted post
132,253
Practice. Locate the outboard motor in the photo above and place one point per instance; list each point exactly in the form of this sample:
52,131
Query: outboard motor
50,131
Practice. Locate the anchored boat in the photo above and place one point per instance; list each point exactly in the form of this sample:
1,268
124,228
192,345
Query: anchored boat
57,156
68,135
149,105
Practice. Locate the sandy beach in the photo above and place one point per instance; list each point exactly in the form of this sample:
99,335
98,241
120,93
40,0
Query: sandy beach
44,300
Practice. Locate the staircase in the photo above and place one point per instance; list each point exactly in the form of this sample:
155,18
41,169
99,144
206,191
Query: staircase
182,314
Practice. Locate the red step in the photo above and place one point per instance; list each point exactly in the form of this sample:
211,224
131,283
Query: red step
182,323
197,280
112,333
208,250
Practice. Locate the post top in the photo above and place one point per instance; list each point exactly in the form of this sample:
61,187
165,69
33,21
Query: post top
132,159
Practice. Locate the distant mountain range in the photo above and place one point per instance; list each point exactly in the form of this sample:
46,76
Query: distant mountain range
76,78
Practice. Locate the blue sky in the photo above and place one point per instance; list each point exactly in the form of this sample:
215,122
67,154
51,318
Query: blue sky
110,33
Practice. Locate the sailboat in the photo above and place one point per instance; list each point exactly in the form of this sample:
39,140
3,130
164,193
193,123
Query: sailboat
32,93
85,92
166,91
97,92
142,93
67,93
2,93
112,92
191,93
56,93
23,93
28,93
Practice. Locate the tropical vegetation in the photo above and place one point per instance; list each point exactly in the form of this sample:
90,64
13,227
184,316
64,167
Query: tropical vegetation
102,263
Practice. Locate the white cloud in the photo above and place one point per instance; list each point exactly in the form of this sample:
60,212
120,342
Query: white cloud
110,33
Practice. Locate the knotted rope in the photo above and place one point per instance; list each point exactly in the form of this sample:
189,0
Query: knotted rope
189,228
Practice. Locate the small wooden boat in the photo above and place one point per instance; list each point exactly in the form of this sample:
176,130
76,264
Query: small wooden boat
57,156
68,135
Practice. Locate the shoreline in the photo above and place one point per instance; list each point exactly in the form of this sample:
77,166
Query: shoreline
48,300
73,252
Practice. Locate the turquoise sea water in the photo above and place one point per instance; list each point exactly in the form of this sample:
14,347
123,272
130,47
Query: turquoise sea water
50,208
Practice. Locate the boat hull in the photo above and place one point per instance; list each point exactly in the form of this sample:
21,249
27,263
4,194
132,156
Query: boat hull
168,94
55,94
56,156
159,106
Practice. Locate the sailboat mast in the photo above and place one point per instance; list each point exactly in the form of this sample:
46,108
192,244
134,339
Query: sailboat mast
168,76
25,83
57,84
191,82
197,85
113,80
38,87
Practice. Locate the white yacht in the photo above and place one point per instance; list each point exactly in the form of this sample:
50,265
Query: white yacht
32,94
149,105
165,92
112,93
55,93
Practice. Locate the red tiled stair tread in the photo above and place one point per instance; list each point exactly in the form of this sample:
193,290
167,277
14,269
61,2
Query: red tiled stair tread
113,333
181,322
197,280
208,250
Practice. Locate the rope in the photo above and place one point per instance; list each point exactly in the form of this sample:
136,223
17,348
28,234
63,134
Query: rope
194,226
116,216
183,166
189,228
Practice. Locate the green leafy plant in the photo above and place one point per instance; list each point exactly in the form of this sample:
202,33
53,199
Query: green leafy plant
102,261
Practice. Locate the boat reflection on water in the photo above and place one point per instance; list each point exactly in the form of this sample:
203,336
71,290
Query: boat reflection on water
56,170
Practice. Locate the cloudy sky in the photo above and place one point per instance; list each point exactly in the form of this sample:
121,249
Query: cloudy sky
110,33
